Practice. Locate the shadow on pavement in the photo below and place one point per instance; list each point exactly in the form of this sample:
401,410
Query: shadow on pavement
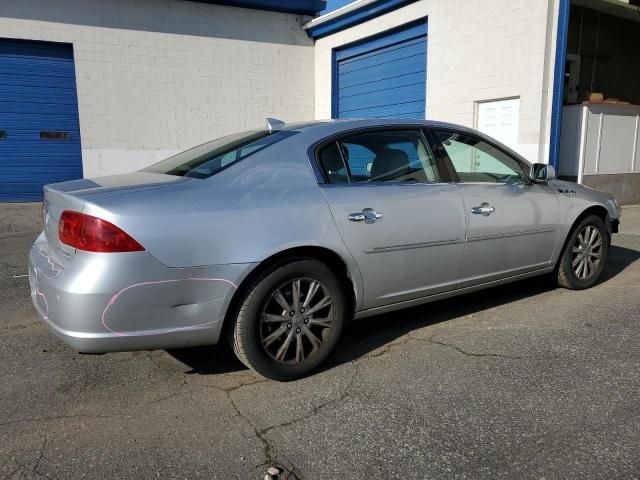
209,360
619,259
361,337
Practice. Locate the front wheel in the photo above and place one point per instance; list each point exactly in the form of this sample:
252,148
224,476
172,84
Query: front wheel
584,255
290,319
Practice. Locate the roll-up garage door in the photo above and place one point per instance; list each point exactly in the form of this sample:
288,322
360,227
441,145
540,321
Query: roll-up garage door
39,126
383,77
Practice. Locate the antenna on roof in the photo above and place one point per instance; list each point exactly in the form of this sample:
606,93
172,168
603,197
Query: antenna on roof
273,123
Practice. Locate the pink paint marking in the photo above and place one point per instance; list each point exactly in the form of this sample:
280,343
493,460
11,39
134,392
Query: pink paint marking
54,267
38,293
46,304
115,297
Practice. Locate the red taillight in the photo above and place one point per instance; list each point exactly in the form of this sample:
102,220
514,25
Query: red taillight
92,234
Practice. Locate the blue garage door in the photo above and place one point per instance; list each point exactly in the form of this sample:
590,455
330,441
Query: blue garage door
383,77
39,127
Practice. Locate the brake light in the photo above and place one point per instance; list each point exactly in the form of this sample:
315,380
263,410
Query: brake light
93,234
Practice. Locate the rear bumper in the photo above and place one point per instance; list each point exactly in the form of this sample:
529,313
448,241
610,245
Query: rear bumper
129,301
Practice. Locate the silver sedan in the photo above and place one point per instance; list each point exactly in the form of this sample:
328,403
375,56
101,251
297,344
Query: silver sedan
276,237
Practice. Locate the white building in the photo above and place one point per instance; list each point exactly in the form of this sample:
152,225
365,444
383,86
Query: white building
128,82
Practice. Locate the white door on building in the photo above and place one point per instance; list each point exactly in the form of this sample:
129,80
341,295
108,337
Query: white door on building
500,119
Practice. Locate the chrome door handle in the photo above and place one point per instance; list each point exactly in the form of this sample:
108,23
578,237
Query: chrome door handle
484,209
369,215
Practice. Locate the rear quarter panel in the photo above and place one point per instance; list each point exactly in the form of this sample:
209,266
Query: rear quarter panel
263,205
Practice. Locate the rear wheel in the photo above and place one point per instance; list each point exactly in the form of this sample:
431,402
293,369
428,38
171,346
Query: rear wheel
584,255
290,319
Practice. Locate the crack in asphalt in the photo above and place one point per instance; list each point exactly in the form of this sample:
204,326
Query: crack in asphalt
39,459
408,338
59,417
464,352
268,448
318,408
272,458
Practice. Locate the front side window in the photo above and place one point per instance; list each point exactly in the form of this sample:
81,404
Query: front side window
478,161
209,158
380,156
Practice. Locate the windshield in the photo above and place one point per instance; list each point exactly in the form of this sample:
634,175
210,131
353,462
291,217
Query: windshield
209,158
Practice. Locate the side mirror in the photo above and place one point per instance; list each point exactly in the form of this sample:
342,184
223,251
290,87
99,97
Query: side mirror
542,173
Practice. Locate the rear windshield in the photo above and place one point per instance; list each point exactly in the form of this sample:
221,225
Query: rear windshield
209,158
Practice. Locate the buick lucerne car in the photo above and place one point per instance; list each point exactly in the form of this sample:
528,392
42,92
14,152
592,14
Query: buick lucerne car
274,238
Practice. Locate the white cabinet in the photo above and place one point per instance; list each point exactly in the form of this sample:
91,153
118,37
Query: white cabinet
599,139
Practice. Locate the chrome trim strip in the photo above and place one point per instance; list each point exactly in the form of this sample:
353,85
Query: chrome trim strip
395,248
511,234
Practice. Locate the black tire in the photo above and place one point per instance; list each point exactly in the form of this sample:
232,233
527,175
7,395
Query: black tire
566,275
248,331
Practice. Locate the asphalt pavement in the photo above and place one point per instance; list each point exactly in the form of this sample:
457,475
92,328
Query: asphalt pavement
519,381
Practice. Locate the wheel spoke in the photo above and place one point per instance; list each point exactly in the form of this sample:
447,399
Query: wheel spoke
594,236
321,322
315,341
313,289
581,236
325,302
577,250
580,268
595,254
296,294
585,269
274,336
284,347
576,261
271,318
278,297
324,322
591,267
597,244
299,348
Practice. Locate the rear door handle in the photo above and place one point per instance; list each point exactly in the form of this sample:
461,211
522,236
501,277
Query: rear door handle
484,209
368,215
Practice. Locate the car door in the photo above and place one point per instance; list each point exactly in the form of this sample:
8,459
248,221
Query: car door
512,223
397,212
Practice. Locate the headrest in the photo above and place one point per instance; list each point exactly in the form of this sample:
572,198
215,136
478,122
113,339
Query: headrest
390,164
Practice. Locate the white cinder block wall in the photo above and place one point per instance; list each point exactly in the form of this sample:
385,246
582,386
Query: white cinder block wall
476,51
158,76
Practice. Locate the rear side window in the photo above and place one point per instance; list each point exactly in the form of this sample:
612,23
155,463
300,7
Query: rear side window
209,158
332,164
380,156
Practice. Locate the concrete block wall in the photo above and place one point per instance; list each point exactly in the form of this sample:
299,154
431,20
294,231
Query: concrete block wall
158,76
476,51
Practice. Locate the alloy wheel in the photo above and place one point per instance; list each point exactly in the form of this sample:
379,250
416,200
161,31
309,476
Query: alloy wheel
586,253
296,320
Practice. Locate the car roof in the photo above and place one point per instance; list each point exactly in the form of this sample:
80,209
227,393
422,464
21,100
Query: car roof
321,127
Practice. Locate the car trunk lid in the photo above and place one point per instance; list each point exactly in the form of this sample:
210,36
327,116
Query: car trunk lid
76,194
